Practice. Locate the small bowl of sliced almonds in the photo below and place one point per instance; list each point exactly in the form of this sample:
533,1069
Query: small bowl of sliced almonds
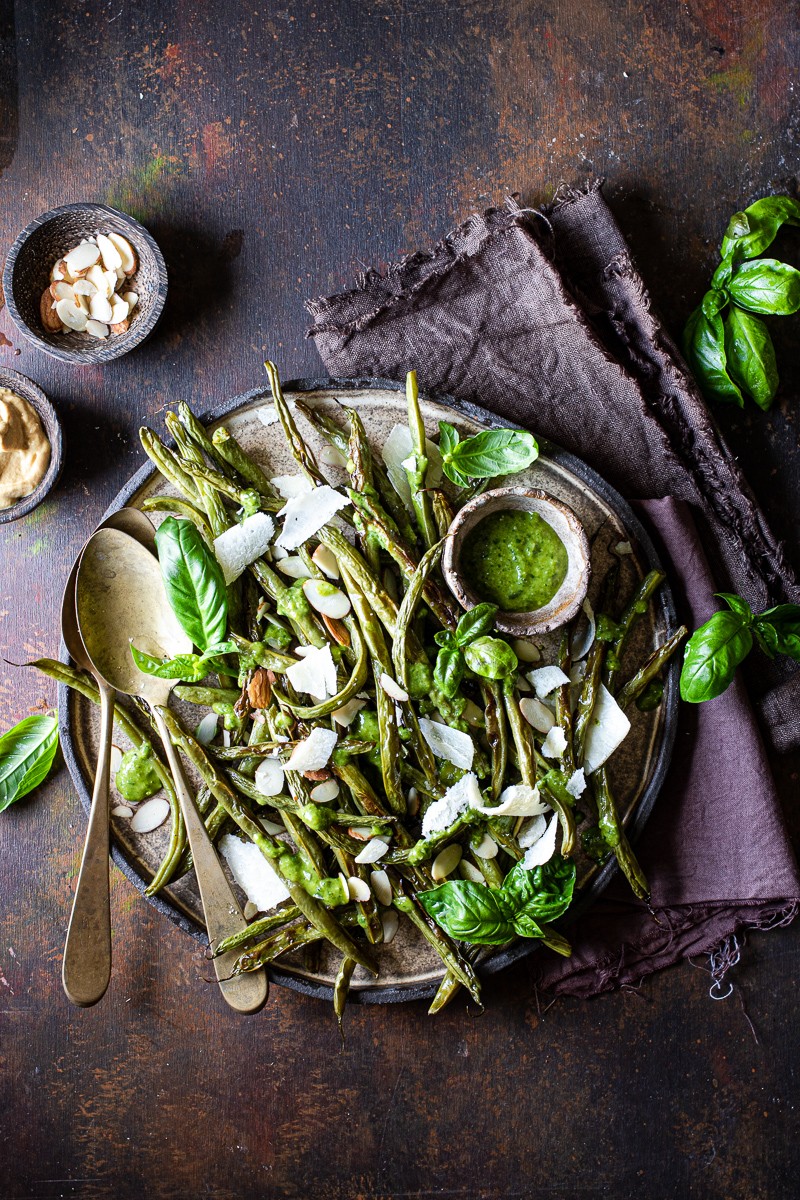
85,283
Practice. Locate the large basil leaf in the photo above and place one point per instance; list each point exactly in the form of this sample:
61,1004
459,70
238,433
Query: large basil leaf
766,286
749,233
780,629
26,755
469,912
490,452
736,604
704,347
544,892
475,623
491,658
712,655
750,356
193,581
448,670
190,668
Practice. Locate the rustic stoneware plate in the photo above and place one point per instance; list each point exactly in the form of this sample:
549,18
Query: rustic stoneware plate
409,970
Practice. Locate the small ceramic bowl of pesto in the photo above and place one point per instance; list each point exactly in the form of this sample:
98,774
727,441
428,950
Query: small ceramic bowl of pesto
522,550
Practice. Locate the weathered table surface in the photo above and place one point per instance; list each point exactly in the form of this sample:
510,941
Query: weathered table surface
275,150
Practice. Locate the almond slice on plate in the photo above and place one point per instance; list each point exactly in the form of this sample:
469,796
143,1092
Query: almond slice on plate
112,259
126,252
50,319
97,329
71,315
100,309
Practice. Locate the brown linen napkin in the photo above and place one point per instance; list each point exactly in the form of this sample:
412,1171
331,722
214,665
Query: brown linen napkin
546,321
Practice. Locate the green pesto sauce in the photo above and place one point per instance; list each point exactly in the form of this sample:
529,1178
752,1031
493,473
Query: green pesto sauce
514,559
136,778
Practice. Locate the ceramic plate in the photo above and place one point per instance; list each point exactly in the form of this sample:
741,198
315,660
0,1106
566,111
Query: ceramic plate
409,969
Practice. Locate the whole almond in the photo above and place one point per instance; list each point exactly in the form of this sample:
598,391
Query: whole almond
121,326
337,630
51,321
259,689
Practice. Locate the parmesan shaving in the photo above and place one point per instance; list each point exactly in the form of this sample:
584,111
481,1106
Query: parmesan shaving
305,515
242,544
608,729
313,753
315,673
253,873
464,794
546,679
450,744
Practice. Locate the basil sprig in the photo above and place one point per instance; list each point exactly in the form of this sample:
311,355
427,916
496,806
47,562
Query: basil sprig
469,647
488,453
26,755
189,668
484,916
193,582
717,648
734,356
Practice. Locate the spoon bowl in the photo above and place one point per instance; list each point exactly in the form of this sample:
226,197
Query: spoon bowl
121,602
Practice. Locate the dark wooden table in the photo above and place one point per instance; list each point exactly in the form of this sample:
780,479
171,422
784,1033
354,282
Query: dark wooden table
274,150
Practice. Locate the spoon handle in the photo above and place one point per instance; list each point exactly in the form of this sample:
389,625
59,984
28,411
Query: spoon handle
245,993
87,954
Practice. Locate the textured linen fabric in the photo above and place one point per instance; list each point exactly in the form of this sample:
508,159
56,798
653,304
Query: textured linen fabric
545,320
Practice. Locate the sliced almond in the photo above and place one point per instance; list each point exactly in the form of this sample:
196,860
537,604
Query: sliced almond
126,252
71,315
82,302
393,689
326,791
373,851
131,299
119,309
470,872
81,258
381,887
358,889
59,271
112,259
121,326
325,560
61,290
486,848
121,810
97,276
391,922
294,567
150,815
97,328
100,308
115,759
81,287
51,322
326,599
446,861
337,630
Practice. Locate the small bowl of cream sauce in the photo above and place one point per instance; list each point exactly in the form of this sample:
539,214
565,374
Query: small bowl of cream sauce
524,551
31,445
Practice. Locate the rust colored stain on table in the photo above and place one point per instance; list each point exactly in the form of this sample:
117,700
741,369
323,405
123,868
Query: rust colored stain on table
274,151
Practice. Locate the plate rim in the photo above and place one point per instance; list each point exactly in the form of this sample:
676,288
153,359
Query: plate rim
393,993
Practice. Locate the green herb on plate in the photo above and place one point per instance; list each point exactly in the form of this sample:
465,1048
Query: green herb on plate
486,454
716,649
26,755
193,581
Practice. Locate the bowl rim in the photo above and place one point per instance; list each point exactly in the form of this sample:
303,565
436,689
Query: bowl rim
141,329
31,392
522,623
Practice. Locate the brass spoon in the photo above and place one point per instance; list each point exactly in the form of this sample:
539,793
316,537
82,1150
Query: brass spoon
86,969
121,600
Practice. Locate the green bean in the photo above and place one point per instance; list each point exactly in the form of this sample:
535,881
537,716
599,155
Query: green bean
258,928
168,464
83,683
520,734
633,611
408,608
359,466
563,705
496,733
217,515
264,656
442,511
247,498
446,991
284,941
299,615
354,684
417,475
193,693
234,455
588,697
444,946
199,435
651,669
341,988
174,504
614,835
302,454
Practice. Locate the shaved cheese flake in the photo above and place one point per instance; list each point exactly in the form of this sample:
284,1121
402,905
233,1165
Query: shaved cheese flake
537,714
313,753
623,548
253,873
315,674
518,800
450,744
583,636
290,486
532,831
348,712
269,777
267,415
396,449
608,729
576,784
546,679
544,848
555,743
305,515
577,672
242,544
464,794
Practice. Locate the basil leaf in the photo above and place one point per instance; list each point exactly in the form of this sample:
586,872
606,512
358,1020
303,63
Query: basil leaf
736,604
491,658
491,452
445,638
475,623
766,286
544,892
749,233
219,648
713,301
527,926
448,671
704,347
780,628
193,581
712,655
719,281
750,356
448,438
188,667
469,912
26,755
